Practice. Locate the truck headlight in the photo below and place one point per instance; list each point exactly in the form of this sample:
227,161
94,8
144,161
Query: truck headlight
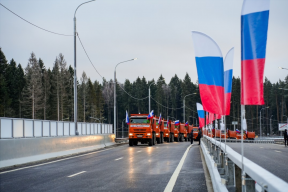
166,133
130,134
148,133
157,133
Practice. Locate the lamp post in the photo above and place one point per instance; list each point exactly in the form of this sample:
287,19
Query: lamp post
283,68
260,120
270,125
115,92
150,94
75,72
184,105
194,118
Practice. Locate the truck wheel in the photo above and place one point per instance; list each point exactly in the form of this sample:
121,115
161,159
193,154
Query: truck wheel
154,138
168,139
158,140
130,142
176,138
150,142
162,138
172,138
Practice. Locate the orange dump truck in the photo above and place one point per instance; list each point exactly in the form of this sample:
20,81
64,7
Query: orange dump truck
175,129
217,133
182,132
190,127
232,134
141,130
195,133
167,132
156,128
250,135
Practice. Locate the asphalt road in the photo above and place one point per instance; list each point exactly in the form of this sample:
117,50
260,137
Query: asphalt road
137,168
272,157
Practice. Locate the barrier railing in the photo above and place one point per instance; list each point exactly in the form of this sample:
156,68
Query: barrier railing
26,128
229,170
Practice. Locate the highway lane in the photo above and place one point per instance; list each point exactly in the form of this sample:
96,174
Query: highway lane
271,157
137,168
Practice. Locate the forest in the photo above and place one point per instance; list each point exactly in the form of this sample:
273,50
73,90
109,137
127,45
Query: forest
35,92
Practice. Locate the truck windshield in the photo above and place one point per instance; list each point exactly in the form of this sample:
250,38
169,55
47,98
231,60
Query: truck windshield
165,124
195,129
139,120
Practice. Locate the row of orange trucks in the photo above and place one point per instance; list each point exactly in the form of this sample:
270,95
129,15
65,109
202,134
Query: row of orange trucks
229,134
148,131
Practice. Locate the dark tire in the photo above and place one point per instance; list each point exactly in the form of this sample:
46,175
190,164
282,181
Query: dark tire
176,138
130,143
150,142
158,140
180,138
172,138
162,138
154,139
168,139
135,143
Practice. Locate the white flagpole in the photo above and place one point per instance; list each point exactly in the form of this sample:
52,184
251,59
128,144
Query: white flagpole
242,147
224,118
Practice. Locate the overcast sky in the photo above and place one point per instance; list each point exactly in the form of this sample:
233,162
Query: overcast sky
158,33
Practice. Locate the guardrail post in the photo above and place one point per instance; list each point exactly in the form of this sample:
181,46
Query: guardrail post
238,179
250,184
230,173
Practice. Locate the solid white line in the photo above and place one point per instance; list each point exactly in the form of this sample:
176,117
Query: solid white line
54,161
118,158
77,174
173,178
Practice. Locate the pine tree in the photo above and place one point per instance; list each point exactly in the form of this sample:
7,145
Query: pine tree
33,91
5,100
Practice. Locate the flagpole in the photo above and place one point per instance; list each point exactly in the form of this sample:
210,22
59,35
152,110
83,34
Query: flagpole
242,147
224,118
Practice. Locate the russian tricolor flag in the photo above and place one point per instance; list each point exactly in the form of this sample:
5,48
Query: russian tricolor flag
151,114
177,122
254,27
159,120
127,118
186,124
228,73
210,71
201,115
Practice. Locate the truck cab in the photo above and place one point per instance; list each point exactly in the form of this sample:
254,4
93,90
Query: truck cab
140,130
175,131
156,128
166,131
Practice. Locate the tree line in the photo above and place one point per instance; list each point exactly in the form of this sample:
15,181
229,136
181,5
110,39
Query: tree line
36,92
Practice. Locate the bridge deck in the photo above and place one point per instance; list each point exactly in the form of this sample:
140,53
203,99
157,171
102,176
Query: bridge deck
138,168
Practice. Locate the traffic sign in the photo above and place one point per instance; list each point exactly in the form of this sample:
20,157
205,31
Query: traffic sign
282,126
234,122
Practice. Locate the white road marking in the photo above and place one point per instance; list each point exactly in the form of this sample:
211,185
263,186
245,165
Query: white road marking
138,151
173,178
261,147
54,161
77,174
278,151
118,158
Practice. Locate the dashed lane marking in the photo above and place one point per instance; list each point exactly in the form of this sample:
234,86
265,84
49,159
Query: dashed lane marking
138,151
118,158
278,151
175,175
77,174
54,161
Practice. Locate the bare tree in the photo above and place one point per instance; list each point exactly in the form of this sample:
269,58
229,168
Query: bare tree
108,92
83,82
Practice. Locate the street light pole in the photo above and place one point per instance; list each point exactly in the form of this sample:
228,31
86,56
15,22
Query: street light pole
270,125
115,92
75,71
184,105
260,121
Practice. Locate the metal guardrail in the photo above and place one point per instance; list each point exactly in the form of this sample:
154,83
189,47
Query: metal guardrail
248,141
27,128
226,164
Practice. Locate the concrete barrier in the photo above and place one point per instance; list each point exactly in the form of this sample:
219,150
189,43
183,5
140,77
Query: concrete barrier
26,150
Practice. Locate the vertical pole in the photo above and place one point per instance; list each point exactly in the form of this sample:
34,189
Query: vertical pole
260,125
234,127
149,101
224,119
242,146
270,127
184,109
75,81
122,128
115,102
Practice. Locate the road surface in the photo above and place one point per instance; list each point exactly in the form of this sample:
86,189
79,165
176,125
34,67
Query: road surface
123,168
